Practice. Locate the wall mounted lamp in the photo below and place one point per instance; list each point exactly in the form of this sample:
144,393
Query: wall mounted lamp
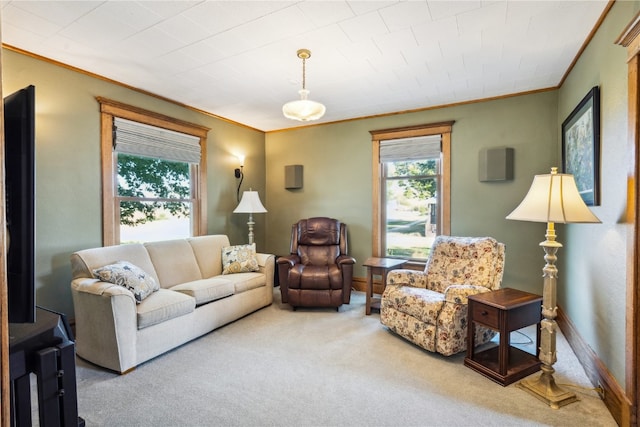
239,174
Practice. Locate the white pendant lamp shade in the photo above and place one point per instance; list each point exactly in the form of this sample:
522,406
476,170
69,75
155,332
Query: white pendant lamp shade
303,109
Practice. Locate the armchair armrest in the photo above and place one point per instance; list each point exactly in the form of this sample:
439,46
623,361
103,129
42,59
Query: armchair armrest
414,278
457,294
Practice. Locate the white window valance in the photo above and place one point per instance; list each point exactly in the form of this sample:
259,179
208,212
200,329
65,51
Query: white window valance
405,149
140,139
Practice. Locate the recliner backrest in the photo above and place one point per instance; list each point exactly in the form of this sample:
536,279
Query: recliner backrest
465,260
319,240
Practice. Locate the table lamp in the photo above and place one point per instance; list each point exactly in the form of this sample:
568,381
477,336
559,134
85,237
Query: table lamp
552,198
250,204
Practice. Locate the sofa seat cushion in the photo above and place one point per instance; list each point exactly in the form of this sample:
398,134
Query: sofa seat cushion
163,305
243,282
206,290
422,304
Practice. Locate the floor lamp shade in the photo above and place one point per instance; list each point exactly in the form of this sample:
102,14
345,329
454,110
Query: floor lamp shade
552,198
250,203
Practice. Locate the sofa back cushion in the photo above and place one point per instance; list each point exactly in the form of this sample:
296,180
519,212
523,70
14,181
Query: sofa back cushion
174,262
85,261
208,253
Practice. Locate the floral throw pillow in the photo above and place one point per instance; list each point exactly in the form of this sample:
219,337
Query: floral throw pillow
239,259
125,274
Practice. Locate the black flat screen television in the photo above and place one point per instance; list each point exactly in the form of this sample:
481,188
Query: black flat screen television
19,163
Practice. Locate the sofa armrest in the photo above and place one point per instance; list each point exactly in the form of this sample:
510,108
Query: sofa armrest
106,323
267,267
406,277
458,294
97,287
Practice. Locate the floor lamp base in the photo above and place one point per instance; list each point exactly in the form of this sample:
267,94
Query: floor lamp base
545,388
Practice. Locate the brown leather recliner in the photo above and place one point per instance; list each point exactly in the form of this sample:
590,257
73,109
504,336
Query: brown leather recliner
318,272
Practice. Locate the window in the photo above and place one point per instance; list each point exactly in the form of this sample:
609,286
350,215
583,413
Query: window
154,175
410,189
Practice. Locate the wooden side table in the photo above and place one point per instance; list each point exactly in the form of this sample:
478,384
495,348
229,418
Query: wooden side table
504,310
379,267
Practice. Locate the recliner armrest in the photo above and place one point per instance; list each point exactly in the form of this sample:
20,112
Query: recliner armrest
414,278
289,259
458,294
345,260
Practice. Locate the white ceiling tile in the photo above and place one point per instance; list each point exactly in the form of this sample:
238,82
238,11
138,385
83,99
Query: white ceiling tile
447,9
184,29
364,27
19,18
405,14
61,13
129,13
321,15
431,32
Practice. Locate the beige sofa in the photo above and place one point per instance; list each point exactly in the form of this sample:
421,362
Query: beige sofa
117,332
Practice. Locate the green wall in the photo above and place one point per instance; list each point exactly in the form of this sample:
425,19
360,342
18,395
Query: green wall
338,176
592,285
68,180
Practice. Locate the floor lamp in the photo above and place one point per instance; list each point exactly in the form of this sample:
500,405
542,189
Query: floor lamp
552,198
250,204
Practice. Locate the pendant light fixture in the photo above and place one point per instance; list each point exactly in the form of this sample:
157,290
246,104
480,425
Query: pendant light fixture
303,109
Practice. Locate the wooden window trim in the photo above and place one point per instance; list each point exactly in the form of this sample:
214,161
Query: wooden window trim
109,109
442,128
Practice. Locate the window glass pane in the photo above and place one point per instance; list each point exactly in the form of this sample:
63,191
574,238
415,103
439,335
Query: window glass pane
153,178
152,221
154,199
411,208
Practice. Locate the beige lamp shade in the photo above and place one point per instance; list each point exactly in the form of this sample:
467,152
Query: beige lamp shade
250,203
553,198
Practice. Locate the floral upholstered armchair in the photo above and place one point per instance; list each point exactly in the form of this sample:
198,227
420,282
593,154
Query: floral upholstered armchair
430,308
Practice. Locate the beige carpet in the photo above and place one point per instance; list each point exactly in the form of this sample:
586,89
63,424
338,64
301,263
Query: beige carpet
316,367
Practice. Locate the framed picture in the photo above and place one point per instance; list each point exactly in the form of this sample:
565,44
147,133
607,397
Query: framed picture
581,146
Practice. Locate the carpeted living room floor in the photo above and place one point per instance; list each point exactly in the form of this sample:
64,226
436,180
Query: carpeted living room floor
319,367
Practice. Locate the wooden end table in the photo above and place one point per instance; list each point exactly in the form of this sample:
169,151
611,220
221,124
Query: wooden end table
504,310
379,267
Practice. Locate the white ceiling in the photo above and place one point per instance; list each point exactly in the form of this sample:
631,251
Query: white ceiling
237,59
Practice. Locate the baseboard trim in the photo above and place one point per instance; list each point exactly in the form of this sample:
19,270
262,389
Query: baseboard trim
614,396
